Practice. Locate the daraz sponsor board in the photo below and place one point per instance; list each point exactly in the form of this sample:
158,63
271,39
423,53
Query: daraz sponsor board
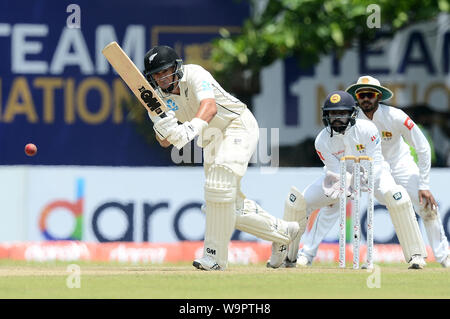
98,204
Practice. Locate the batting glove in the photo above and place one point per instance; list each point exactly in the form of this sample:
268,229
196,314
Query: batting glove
163,127
186,132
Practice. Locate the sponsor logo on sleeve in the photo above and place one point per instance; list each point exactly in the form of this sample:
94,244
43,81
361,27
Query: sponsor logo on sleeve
206,86
409,123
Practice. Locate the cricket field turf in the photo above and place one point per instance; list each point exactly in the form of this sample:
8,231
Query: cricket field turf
33,280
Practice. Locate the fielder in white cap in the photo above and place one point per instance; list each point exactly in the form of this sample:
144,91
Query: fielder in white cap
228,133
394,127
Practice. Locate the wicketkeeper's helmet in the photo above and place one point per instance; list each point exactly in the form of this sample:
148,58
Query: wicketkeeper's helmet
339,101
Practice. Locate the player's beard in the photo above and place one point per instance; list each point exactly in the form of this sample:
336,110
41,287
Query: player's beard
338,126
367,106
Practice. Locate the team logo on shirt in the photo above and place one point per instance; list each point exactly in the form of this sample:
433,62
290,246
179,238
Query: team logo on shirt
360,148
387,136
172,105
409,123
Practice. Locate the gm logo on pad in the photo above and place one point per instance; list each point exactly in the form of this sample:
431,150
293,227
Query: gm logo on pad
397,196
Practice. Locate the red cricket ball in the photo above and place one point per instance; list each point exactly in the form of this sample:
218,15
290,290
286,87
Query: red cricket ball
30,149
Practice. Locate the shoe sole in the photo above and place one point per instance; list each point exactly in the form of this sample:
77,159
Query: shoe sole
268,265
198,265
290,264
415,266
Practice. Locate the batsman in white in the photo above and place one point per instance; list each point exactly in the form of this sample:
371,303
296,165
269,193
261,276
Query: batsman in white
228,133
343,135
395,127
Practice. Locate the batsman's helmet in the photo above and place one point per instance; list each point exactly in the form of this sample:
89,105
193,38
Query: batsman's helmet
339,101
160,58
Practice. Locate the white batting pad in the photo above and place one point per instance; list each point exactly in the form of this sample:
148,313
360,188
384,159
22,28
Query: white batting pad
220,196
254,220
295,210
405,223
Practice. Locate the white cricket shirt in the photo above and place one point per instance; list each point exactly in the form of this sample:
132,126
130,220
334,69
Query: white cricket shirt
362,139
393,124
196,85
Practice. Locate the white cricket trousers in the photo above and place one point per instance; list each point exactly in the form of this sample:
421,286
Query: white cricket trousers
234,146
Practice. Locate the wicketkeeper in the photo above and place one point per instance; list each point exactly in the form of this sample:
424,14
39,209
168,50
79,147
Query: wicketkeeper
343,135
228,133
395,127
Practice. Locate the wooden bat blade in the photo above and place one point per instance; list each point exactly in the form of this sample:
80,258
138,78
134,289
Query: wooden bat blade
135,80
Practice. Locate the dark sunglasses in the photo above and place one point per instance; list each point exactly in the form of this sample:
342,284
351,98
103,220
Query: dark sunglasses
368,94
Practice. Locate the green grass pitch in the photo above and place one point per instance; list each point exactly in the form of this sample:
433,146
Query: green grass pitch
32,280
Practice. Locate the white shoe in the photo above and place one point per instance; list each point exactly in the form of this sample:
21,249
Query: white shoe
279,251
417,262
206,263
446,262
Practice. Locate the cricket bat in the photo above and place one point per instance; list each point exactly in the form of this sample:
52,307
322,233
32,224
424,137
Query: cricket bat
135,80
